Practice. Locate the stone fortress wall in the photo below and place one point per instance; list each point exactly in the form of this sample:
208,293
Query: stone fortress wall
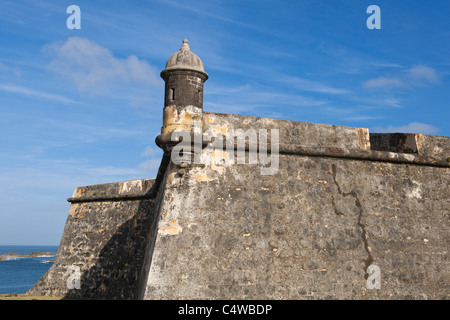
340,202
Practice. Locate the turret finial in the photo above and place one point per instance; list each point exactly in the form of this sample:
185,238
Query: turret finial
185,45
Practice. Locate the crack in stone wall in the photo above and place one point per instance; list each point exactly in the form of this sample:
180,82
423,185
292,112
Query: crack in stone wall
362,226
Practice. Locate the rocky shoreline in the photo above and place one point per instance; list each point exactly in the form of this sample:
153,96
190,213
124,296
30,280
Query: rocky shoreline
34,254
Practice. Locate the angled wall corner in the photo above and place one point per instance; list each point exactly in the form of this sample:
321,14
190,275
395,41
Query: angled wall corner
106,237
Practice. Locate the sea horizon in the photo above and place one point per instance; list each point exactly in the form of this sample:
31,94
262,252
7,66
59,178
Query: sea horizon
29,245
18,275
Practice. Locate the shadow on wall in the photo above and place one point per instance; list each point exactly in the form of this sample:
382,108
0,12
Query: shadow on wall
121,268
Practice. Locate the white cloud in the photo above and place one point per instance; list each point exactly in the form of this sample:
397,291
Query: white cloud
422,73
413,127
212,12
93,68
214,89
150,165
274,98
151,151
35,93
312,86
361,118
383,82
387,65
418,75
254,99
392,102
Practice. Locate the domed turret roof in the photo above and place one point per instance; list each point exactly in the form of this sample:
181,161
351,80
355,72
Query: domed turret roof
184,59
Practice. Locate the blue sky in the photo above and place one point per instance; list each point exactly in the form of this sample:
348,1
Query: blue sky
81,107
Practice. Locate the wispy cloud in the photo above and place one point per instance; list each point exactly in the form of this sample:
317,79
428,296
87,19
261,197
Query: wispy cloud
387,65
150,165
75,132
94,69
255,99
35,93
392,102
312,86
413,127
418,75
211,13
219,90
383,82
423,75
53,175
150,151
361,118
377,102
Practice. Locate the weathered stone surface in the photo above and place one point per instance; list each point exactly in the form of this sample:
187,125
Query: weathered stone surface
304,134
218,230
394,142
339,201
185,59
107,234
310,231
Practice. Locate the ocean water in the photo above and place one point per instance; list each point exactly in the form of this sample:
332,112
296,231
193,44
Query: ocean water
18,275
